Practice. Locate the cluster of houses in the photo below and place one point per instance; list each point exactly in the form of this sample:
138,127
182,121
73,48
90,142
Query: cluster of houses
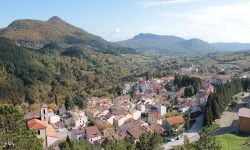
142,107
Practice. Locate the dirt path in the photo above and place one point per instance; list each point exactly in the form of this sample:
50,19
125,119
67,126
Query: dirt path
228,121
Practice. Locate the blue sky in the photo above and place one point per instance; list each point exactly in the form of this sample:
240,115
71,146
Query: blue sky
114,20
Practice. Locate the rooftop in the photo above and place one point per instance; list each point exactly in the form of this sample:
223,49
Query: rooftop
38,124
244,112
155,115
176,120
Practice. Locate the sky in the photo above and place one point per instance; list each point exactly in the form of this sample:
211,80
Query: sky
116,20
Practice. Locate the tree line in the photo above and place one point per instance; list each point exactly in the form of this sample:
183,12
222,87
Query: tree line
221,98
192,84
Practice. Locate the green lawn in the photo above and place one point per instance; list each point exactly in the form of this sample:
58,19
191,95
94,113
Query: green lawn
231,142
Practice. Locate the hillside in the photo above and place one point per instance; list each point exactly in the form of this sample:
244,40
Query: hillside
36,33
168,44
35,76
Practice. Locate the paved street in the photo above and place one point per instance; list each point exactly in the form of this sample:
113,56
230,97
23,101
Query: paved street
193,135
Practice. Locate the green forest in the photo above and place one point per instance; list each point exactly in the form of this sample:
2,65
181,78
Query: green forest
52,73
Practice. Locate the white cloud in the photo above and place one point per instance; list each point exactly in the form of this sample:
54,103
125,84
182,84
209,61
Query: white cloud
168,14
117,30
215,23
150,3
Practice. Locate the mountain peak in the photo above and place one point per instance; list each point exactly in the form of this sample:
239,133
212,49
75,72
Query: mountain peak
55,19
145,36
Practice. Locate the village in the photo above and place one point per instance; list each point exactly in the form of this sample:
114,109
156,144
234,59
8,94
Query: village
156,105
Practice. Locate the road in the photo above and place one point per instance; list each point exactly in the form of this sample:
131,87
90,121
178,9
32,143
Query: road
193,135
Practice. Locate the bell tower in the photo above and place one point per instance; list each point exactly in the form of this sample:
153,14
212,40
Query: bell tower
44,113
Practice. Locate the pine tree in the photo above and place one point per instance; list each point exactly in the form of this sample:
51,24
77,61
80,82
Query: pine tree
206,141
149,141
215,107
56,100
208,117
188,121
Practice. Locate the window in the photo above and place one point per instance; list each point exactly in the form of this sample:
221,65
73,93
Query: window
38,132
44,118
44,111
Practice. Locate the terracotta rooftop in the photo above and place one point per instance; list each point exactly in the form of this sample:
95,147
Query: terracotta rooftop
157,128
155,115
38,124
244,112
92,131
78,131
136,132
175,120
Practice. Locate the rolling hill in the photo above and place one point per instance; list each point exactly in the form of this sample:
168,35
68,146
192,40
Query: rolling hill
231,46
36,33
168,44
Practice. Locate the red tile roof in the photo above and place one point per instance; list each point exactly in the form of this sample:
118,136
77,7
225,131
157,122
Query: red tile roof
154,115
176,120
92,131
38,124
157,128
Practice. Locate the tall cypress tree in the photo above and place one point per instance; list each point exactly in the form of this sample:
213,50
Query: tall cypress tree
208,117
215,109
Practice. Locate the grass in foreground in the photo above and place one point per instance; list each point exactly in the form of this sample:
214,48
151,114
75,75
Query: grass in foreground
232,142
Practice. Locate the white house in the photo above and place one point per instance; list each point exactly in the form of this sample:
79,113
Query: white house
54,119
80,118
48,115
141,107
161,109
90,134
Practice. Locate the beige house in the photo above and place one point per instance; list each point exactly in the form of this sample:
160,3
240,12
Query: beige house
136,114
119,120
244,120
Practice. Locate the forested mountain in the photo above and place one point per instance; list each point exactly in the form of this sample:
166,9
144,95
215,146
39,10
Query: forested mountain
76,72
36,33
168,44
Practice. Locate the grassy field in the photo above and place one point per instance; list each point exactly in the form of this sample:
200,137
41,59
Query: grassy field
232,142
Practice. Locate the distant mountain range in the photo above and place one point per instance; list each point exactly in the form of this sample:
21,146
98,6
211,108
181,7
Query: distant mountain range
168,44
36,33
